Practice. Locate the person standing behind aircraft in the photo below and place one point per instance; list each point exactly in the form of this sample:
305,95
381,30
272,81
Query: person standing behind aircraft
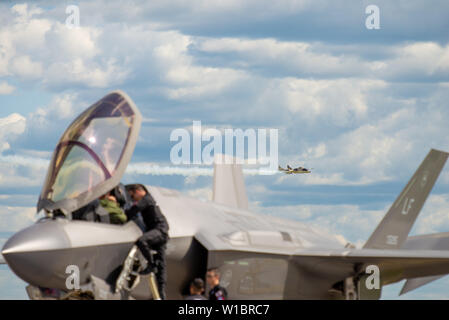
213,280
196,290
156,235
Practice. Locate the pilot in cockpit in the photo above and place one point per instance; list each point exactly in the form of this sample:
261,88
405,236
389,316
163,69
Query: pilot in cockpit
111,205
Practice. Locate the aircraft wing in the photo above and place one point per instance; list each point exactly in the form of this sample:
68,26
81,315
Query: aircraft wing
394,264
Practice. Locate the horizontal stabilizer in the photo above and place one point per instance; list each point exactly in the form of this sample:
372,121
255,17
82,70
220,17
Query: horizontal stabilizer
394,228
435,241
414,283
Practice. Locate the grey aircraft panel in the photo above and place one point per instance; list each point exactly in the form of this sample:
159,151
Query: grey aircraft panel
51,245
436,241
410,263
415,283
228,184
192,217
312,269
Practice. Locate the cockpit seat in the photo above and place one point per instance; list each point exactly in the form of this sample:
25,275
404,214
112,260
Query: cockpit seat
93,212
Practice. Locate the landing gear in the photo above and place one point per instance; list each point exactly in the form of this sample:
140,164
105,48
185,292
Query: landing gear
132,269
129,277
152,270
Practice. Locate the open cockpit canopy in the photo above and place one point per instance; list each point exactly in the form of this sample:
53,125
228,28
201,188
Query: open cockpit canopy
92,154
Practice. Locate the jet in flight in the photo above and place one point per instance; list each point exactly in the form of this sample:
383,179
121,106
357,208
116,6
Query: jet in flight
258,256
291,170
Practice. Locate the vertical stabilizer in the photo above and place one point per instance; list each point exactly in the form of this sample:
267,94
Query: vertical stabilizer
393,230
229,185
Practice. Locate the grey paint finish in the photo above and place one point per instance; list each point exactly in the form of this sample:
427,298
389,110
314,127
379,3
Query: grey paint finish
436,241
397,223
41,253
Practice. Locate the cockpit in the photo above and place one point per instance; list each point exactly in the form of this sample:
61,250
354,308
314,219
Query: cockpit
91,156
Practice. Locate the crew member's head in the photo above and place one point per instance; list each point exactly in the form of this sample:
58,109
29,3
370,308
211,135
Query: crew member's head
196,286
213,277
105,196
136,191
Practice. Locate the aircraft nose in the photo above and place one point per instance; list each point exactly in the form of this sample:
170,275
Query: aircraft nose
31,253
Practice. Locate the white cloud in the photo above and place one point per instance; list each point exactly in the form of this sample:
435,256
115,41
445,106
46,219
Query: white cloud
23,66
25,12
292,57
435,215
423,59
301,58
315,152
72,43
387,149
27,32
16,218
15,170
188,80
195,82
313,98
35,47
6,88
18,172
62,106
10,127
77,72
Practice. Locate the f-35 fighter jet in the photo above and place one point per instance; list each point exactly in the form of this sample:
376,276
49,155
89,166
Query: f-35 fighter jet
259,256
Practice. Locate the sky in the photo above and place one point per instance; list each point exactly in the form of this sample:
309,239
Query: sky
361,106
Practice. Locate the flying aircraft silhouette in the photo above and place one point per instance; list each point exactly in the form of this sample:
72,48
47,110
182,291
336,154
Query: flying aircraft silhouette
291,170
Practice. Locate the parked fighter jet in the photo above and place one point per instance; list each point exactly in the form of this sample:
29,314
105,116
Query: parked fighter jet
259,256
291,170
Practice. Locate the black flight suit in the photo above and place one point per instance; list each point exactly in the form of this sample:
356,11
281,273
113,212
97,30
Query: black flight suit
218,293
155,237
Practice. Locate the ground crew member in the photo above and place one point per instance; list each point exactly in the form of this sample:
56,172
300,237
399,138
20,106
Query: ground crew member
196,290
110,204
156,235
213,280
